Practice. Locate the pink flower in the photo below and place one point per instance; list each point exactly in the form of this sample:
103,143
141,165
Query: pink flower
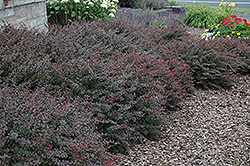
248,24
237,23
241,16
233,16
244,19
6,3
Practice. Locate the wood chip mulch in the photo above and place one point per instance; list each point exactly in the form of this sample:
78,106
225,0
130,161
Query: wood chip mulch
212,128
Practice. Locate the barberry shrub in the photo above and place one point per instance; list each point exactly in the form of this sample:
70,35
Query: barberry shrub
40,129
239,48
127,94
214,64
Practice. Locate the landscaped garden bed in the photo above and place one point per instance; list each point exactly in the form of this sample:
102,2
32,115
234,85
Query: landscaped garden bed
94,85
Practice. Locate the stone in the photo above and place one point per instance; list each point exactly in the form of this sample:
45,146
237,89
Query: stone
30,12
164,12
176,9
130,10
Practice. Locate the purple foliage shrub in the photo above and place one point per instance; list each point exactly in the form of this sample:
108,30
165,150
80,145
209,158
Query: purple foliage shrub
214,64
171,32
240,48
126,96
40,129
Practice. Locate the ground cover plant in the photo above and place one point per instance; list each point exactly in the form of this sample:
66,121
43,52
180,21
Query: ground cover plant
81,93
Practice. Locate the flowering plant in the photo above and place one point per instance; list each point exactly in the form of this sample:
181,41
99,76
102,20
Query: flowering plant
227,6
64,11
201,15
232,26
6,3
226,9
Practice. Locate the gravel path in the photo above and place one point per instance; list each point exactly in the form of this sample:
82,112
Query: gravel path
212,128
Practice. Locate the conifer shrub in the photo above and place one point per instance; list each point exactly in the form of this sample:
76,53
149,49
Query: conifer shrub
125,95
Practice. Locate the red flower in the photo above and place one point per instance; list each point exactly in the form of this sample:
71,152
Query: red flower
247,24
6,3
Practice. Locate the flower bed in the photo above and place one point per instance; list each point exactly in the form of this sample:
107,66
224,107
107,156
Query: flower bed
239,28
